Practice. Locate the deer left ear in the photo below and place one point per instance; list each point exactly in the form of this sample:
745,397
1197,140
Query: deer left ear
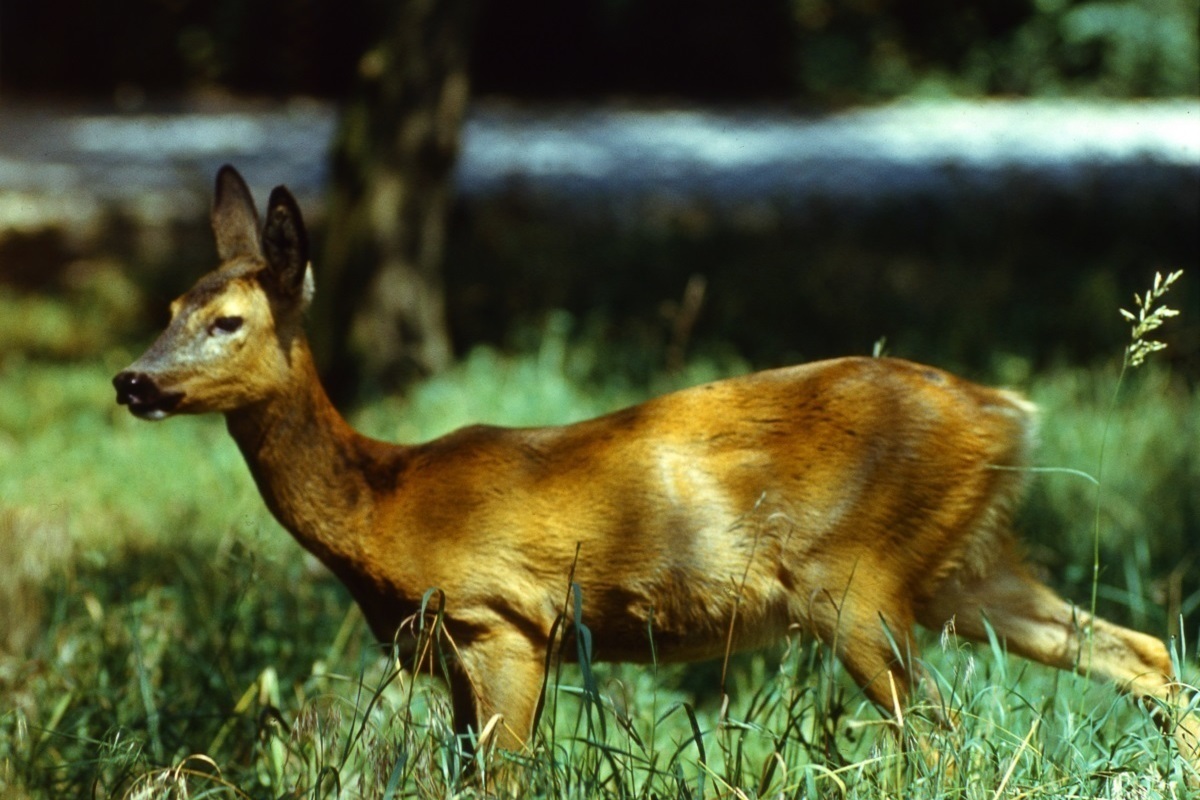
285,245
234,220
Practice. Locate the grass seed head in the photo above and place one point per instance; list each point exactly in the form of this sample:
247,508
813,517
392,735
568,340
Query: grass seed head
1148,318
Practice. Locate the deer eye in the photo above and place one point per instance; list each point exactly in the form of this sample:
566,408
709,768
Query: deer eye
226,324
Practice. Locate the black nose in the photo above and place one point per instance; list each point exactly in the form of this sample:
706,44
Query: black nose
144,396
135,388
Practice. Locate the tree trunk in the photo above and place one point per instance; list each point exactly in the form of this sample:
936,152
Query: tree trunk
380,297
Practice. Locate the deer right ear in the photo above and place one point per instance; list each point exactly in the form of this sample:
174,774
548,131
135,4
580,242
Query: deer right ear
234,219
285,244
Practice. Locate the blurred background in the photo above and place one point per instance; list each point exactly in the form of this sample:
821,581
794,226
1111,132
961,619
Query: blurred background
975,182
533,211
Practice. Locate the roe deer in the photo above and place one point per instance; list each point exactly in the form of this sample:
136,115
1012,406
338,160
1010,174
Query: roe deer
851,498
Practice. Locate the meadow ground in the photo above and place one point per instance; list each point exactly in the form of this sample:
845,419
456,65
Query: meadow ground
162,637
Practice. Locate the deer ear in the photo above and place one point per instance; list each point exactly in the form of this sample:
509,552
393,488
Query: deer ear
234,220
285,244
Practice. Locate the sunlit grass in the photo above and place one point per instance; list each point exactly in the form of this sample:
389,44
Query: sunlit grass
75,459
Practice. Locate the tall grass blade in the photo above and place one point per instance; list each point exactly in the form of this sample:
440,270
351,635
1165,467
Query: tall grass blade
698,739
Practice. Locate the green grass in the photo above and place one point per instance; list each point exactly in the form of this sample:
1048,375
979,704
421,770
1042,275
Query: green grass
163,638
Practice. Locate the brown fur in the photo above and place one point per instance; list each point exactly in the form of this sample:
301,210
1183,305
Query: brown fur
840,496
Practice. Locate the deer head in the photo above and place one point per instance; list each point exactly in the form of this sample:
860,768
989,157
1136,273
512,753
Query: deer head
230,339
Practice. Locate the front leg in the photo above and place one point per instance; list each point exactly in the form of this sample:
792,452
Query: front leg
501,674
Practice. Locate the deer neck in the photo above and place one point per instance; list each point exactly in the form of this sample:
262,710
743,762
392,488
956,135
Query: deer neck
308,464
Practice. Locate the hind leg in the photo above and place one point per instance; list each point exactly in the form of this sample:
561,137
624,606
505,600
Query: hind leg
870,631
1037,624
869,628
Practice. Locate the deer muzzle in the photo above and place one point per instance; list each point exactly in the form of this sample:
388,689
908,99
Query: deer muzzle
146,400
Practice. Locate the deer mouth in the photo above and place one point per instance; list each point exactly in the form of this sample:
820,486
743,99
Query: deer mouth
143,396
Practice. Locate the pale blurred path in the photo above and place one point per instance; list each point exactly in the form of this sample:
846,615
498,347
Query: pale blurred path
71,168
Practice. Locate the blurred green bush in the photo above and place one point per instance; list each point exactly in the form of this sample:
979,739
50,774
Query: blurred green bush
1138,48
